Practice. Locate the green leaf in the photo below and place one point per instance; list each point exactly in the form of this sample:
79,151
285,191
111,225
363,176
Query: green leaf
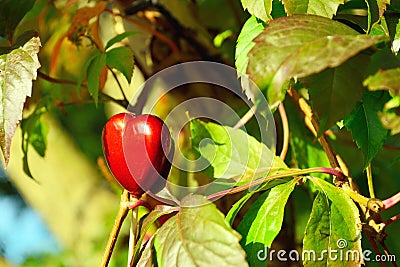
230,153
298,46
17,70
365,125
390,115
334,224
385,80
198,236
324,8
258,8
86,65
150,219
250,30
118,39
36,131
121,58
11,13
335,92
146,259
230,217
262,223
396,38
93,73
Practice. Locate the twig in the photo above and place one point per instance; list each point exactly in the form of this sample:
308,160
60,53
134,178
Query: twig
119,84
246,117
390,202
313,125
119,219
292,172
285,127
48,78
391,220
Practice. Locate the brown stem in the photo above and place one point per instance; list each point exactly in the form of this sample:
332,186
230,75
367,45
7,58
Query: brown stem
348,185
119,219
312,124
285,126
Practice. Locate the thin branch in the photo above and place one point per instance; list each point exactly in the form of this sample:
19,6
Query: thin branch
313,124
390,202
285,126
119,219
48,78
292,172
119,84
246,117
391,220
56,80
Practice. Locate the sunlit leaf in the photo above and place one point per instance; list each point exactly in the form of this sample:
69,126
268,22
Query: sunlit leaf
146,259
258,8
385,80
325,8
334,224
150,219
250,30
262,223
298,46
232,154
230,217
198,236
17,70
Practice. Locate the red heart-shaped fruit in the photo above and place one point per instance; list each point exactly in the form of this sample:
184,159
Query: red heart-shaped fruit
136,150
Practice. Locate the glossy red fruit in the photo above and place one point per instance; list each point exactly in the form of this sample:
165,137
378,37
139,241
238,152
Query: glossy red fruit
136,150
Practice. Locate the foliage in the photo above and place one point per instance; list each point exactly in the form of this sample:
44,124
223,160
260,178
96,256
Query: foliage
329,71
